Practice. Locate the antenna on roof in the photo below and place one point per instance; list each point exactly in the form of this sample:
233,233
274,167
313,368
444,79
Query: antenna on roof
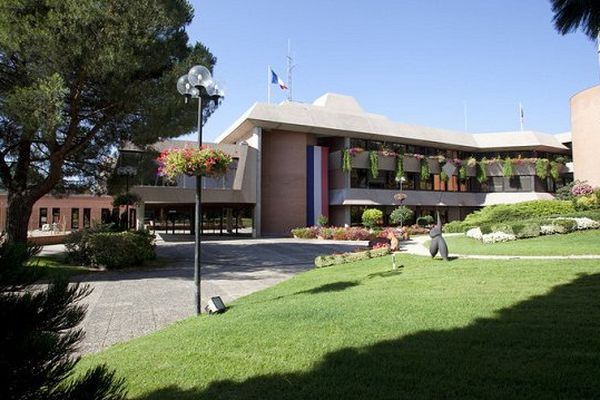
521,116
290,68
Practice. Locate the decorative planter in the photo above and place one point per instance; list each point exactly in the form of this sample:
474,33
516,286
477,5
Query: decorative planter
360,160
387,163
411,164
434,166
494,169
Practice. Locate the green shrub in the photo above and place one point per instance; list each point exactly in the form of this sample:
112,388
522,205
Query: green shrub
518,212
120,250
564,193
372,217
336,259
77,243
583,203
305,233
502,227
454,227
526,230
485,229
401,215
565,225
425,220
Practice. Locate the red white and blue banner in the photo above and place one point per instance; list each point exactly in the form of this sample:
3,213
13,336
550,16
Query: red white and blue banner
317,183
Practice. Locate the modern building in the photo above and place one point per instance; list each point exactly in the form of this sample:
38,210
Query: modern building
585,127
289,170
294,162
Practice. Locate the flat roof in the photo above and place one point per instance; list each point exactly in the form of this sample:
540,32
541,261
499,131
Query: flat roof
339,115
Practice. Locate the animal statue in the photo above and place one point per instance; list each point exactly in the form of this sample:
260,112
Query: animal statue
437,241
394,244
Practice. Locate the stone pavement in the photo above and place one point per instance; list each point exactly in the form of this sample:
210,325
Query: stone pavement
130,303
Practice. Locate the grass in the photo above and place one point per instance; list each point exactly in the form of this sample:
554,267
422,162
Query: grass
53,266
576,243
460,329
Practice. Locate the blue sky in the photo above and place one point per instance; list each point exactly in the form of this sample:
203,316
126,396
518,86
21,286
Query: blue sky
415,61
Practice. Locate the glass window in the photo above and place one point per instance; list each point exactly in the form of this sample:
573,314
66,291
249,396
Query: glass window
56,215
358,178
74,218
105,215
87,217
43,217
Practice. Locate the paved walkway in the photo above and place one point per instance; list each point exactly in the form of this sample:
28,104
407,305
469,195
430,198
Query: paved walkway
130,303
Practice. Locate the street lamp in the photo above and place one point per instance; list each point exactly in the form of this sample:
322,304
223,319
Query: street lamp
400,180
127,171
198,84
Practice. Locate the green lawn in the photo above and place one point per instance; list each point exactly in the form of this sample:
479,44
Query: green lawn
52,266
576,243
459,329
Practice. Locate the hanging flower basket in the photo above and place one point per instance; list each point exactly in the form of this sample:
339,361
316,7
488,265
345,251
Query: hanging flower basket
193,162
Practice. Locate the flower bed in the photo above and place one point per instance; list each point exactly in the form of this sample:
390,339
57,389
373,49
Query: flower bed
348,233
507,232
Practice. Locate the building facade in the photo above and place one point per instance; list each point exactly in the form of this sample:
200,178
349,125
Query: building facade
301,174
66,213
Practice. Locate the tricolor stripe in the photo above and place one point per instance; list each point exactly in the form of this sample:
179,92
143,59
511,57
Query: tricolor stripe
317,187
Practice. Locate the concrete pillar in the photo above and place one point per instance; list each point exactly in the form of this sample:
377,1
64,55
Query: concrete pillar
139,216
256,228
229,219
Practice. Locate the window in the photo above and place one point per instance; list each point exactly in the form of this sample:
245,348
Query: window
56,215
74,218
105,215
43,217
87,217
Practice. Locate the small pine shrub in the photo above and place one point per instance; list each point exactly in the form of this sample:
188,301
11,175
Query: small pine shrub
526,230
486,229
425,220
502,227
454,227
564,225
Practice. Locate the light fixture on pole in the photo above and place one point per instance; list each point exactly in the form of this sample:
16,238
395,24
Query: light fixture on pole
198,83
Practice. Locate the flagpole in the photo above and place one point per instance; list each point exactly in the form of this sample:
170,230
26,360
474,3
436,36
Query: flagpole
268,84
521,116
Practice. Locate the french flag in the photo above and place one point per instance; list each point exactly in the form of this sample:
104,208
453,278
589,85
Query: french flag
277,80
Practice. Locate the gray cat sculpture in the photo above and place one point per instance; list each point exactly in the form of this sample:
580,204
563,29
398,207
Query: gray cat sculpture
437,241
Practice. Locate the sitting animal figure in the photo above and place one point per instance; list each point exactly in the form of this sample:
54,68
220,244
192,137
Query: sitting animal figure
394,244
437,241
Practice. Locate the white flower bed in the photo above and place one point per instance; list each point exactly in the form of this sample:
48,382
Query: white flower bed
586,223
548,229
496,237
474,233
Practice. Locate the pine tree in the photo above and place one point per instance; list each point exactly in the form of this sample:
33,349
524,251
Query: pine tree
39,334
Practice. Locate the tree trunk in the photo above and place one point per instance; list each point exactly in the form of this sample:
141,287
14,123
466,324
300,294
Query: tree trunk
19,212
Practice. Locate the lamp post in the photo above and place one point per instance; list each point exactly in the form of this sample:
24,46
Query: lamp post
127,171
198,84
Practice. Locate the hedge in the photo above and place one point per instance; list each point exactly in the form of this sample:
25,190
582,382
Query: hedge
336,259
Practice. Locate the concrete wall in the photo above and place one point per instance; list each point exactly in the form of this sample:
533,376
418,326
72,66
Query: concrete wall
585,130
284,179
